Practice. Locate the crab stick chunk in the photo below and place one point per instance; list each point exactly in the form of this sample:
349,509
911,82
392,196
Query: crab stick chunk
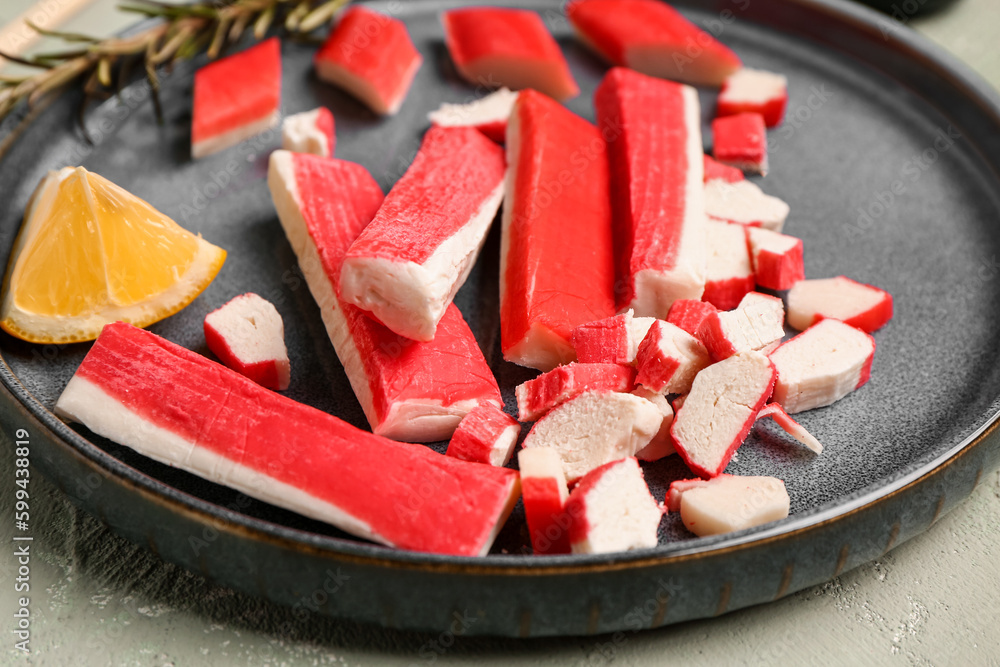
821,365
754,91
406,266
669,358
728,503
790,426
777,259
688,314
370,56
729,276
654,138
662,444
235,98
595,428
716,170
552,389
493,46
309,132
489,114
741,141
544,492
613,510
653,38
485,435
753,325
247,335
719,411
744,203
863,306
556,250
613,340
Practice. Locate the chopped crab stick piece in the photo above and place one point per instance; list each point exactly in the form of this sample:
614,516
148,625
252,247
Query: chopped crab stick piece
493,46
550,390
790,426
821,365
370,56
688,314
489,115
753,325
181,409
720,410
556,250
485,435
741,141
544,493
657,188
862,306
669,358
407,265
777,259
613,340
235,98
309,132
662,444
729,276
653,38
728,503
417,392
247,335
594,428
754,91
612,510
716,170
744,203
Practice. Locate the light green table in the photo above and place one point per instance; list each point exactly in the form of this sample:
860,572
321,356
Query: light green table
97,599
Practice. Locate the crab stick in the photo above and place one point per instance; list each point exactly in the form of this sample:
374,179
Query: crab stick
613,510
556,251
716,170
821,365
757,322
790,426
728,503
741,141
247,335
729,275
662,444
777,259
485,435
613,340
744,203
863,306
669,358
544,493
181,409
653,129
688,314
406,266
410,391
754,91
309,132
489,114
552,389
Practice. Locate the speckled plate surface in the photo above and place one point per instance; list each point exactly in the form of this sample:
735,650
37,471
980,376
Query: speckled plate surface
890,159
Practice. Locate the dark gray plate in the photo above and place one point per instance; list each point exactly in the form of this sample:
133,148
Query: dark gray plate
889,158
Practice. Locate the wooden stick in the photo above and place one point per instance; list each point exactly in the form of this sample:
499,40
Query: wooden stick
16,37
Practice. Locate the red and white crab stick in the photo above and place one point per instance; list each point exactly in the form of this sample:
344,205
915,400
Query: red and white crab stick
248,335
556,251
544,492
613,340
777,259
688,314
863,306
417,392
669,358
756,91
181,409
755,324
743,202
485,435
552,389
727,503
729,275
309,132
653,128
489,114
406,266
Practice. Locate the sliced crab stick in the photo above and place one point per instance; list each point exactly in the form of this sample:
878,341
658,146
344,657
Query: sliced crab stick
757,322
669,358
728,503
549,390
181,409
863,306
716,170
777,259
498,46
595,428
417,392
613,340
654,139
309,132
720,410
544,492
556,251
653,38
688,314
754,91
790,426
247,335
370,56
662,444
729,275
235,98
406,266
485,435
489,114
741,141
613,510
744,203
821,365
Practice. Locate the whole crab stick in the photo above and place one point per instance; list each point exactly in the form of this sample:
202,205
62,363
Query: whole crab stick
309,132
863,306
406,266
654,139
248,335
181,409
556,251
417,392
544,492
